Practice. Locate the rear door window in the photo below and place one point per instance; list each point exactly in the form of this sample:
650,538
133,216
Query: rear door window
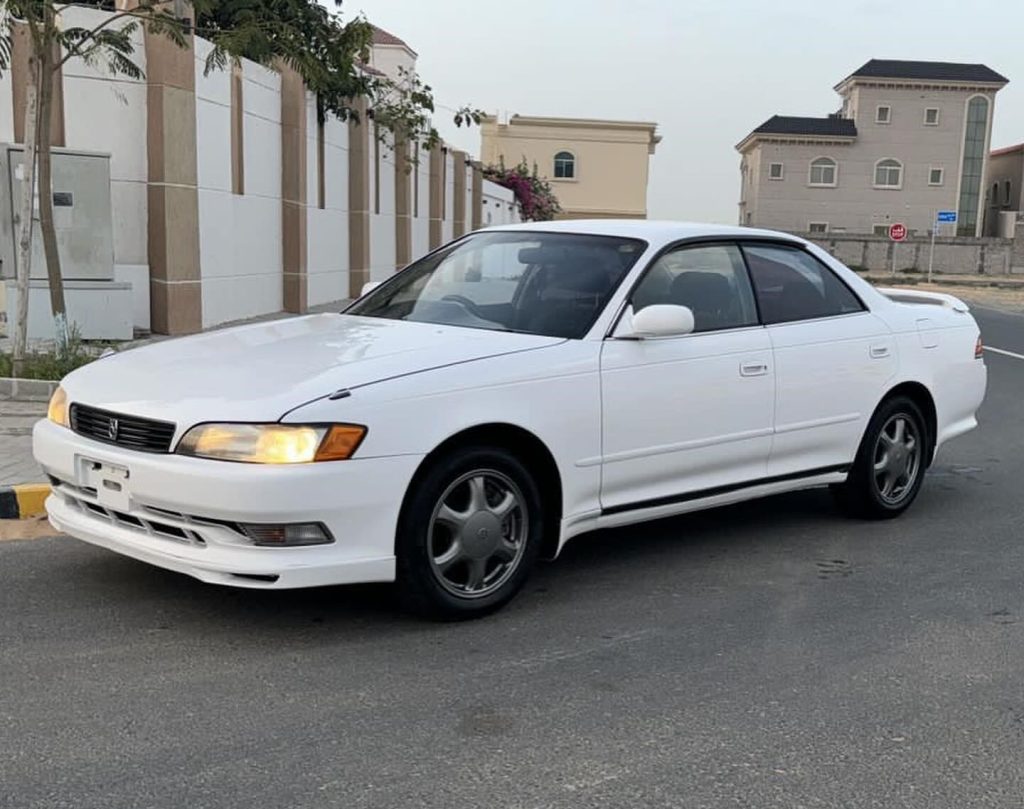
793,285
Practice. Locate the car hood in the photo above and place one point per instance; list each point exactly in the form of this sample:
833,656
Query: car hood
261,371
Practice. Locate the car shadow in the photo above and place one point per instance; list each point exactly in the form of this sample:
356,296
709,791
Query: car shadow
804,521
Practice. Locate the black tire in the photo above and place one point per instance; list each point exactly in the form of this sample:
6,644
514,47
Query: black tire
864,493
422,587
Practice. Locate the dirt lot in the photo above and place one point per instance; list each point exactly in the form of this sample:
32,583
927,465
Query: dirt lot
34,528
1006,300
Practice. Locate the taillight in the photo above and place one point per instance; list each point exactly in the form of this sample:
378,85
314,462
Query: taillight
979,349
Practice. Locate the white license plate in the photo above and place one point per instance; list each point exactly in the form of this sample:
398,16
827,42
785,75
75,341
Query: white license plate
109,481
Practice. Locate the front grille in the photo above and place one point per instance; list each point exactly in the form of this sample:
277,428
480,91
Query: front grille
155,528
130,432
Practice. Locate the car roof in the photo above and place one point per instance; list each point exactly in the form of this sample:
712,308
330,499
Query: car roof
652,231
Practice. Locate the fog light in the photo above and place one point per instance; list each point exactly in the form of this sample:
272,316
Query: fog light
301,533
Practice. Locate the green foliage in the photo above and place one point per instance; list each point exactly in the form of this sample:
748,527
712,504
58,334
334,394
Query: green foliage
107,44
302,34
402,108
51,365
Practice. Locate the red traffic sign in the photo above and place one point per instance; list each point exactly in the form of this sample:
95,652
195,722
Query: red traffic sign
897,232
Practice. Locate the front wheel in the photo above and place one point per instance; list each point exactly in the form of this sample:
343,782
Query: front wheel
889,468
469,533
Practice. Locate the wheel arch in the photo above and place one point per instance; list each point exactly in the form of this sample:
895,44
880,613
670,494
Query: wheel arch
529,449
922,397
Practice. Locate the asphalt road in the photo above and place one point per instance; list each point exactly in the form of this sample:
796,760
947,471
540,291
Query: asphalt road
768,655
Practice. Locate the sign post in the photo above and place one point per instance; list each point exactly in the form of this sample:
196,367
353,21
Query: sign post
897,233
940,217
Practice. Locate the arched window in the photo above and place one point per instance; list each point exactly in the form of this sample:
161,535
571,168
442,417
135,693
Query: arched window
565,165
888,173
972,168
823,171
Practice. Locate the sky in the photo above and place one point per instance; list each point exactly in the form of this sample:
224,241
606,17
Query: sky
706,71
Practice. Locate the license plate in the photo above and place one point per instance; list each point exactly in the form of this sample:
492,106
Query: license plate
109,481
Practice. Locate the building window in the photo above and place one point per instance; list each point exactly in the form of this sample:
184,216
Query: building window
565,166
880,230
774,171
931,116
883,114
817,227
888,173
935,176
823,172
1007,191
975,142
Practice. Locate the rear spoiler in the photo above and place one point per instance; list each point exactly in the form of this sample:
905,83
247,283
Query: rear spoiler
925,298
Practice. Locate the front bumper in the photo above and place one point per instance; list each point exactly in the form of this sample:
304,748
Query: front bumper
176,512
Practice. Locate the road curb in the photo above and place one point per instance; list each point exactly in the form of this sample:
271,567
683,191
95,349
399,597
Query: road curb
23,501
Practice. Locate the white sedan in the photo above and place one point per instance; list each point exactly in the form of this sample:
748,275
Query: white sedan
502,395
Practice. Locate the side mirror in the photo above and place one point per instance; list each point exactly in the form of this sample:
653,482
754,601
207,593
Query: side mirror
368,287
662,320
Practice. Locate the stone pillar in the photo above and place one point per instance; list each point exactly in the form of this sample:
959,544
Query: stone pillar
478,196
175,286
358,200
19,88
437,158
405,175
1017,251
293,191
460,159
237,131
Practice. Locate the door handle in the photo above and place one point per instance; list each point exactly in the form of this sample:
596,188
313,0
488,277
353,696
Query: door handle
879,352
754,368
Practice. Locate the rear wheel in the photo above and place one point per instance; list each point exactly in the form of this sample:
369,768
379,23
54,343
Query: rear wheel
889,468
469,533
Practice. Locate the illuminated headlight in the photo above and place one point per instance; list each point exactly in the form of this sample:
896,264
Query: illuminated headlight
57,412
272,443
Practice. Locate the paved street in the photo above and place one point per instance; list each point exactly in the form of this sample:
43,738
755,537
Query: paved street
772,654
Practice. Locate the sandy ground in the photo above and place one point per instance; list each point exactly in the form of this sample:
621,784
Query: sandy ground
34,528
1006,300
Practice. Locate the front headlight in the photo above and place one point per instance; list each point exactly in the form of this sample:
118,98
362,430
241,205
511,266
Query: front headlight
272,443
57,412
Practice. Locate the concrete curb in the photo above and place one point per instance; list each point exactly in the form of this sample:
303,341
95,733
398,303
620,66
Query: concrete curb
22,501
33,390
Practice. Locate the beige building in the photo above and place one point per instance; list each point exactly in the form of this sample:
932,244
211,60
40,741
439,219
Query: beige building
1003,181
911,139
390,55
598,169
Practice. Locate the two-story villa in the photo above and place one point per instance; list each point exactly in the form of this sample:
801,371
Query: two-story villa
911,139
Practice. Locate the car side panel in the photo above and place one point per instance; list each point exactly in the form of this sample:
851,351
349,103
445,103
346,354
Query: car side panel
553,393
831,374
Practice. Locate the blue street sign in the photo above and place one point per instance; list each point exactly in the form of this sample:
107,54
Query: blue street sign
946,216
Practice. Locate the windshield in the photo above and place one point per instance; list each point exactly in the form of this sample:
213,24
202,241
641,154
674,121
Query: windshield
551,284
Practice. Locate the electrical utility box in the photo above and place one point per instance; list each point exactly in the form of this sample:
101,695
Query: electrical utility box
81,214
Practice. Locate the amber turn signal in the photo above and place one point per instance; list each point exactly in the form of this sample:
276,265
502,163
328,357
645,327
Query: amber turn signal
340,442
979,349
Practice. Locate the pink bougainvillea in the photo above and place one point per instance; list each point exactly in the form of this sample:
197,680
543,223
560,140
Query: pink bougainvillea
537,202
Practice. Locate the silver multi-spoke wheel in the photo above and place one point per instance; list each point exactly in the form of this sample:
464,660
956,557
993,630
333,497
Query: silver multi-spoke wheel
478,533
897,459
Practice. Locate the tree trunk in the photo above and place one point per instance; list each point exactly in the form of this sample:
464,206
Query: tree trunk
46,224
28,182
